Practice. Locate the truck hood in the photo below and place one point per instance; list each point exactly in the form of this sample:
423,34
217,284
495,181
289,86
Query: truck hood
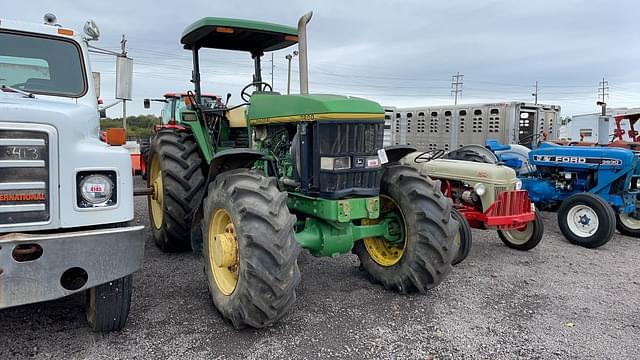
472,172
68,115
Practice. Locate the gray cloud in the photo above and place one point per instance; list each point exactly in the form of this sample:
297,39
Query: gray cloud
398,53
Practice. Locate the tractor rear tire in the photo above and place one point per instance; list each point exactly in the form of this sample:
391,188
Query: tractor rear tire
586,207
108,305
249,247
175,171
525,239
429,228
628,225
463,240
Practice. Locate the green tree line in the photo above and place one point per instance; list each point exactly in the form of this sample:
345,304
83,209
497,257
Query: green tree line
138,127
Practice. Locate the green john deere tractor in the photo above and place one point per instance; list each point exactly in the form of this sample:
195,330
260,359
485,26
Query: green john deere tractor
250,185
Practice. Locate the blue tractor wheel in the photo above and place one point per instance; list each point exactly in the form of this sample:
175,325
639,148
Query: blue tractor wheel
629,224
586,220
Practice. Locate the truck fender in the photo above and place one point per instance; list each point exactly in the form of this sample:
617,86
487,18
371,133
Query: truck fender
223,161
397,152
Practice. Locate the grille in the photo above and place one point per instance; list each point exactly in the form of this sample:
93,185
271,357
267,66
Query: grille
497,190
351,138
24,176
508,203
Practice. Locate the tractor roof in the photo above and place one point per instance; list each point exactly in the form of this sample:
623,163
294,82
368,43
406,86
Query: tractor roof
236,34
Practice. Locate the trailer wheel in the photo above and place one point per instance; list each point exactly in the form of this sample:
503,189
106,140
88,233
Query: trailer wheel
526,238
176,176
421,259
629,224
249,248
108,305
586,220
463,239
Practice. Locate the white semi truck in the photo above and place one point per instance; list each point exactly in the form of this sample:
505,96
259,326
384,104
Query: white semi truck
66,198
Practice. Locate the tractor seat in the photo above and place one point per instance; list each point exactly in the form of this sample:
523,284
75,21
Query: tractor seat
495,145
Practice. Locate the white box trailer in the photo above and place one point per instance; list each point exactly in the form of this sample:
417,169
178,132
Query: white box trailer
449,127
584,127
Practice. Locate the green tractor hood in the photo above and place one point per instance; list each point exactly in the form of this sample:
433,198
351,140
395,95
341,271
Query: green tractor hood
269,108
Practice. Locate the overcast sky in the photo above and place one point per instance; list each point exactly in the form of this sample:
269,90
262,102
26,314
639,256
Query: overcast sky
399,53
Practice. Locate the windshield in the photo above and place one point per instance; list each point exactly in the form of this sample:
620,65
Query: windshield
43,65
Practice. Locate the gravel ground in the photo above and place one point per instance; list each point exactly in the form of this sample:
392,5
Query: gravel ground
557,301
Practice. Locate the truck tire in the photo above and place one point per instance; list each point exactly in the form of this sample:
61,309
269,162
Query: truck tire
463,239
175,173
108,305
249,247
423,259
586,220
525,239
628,224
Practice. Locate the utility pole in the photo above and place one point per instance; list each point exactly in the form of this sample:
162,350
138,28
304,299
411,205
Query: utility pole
535,94
603,93
289,57
123,46
456,86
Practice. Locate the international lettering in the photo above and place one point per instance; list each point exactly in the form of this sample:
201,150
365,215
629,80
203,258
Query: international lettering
23,197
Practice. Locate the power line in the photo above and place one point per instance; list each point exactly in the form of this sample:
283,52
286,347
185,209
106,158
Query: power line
456,86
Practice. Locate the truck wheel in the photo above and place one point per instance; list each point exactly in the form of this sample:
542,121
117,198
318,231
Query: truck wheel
526,238
463,239
108,305
586,220
249,248
422,258
176,176
628,224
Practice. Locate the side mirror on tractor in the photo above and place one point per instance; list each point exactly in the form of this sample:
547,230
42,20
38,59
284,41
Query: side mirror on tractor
147,103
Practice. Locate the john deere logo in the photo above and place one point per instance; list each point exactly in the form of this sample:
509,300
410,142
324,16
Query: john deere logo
23,197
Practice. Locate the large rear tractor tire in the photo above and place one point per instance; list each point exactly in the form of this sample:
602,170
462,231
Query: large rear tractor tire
526,238
108,305
177,179
586,220
463,239
422,258
250,250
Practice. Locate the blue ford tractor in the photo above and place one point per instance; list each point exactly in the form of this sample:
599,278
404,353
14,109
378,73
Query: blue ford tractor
594,189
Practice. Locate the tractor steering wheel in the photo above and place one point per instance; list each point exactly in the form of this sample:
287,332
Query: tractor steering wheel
428,156
246,96
532,137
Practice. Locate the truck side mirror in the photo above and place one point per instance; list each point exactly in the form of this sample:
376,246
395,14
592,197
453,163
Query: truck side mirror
96,83
124,77
103,114
147,103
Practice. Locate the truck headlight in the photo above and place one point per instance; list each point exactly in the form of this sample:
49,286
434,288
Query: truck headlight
335,163
518,184
480,189
96,189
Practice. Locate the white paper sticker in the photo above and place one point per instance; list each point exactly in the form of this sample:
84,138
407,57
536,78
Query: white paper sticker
382,155
533,207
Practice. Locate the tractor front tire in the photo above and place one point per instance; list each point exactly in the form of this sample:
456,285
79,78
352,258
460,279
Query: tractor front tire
249,247
176,176
526,238
463,239
423,260
586,220
108,305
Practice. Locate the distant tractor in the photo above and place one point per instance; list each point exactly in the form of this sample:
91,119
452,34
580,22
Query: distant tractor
249,185
170,117
485,196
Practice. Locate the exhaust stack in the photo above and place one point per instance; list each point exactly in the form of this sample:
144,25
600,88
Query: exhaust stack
302,52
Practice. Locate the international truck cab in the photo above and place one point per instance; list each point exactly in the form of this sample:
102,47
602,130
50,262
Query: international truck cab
66,198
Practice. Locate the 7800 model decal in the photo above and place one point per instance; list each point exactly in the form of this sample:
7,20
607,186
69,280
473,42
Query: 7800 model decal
576,160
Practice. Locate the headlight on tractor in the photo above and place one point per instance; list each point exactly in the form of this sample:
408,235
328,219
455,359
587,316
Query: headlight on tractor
96,189
480,189
335,163
518,184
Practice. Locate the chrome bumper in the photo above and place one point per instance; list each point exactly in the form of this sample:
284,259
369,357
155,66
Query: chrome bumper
104,254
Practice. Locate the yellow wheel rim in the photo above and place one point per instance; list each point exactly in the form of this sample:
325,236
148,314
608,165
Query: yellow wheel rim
380,250
157,196
223,251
